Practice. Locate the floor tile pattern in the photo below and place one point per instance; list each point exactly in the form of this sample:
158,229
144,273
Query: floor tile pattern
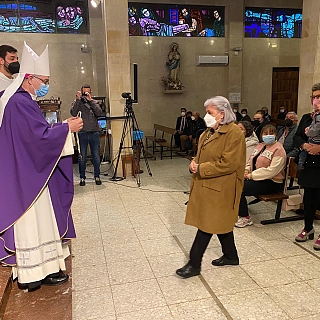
128,247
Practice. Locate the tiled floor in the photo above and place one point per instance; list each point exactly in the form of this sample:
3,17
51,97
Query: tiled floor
131,240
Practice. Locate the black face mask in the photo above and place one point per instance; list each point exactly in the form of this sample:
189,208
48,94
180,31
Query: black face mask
256,123
288,123
13,67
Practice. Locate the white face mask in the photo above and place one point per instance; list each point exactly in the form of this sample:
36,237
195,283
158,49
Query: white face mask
235,110
210,120
243,114
193,118
183,114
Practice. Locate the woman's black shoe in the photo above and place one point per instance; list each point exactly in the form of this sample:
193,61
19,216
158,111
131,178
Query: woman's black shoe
224,261
188,271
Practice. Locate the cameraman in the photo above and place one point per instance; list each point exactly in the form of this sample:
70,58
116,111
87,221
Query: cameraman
90,133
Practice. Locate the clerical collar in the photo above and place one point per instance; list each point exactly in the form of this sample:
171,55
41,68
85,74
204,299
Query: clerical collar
33,96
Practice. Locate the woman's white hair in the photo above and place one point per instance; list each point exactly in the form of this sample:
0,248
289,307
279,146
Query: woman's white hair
222,104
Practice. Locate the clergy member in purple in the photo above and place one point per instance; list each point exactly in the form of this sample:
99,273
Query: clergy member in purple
36,185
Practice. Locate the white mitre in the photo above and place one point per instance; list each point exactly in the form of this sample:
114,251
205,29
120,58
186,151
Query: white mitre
30,63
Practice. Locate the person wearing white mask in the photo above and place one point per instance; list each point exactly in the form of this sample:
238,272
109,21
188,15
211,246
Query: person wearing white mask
180,126
216,186
236,112
245,116
264,172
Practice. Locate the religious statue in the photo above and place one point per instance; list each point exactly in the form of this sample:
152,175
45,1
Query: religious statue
172,82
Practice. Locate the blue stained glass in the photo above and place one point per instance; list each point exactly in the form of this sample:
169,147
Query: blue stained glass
273,23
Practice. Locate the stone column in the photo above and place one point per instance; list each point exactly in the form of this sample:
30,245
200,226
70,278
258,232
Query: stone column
235,36
115,19
309,54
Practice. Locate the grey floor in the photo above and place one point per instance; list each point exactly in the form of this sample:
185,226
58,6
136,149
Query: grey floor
131,240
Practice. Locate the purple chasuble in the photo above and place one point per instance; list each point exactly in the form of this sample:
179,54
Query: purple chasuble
29,159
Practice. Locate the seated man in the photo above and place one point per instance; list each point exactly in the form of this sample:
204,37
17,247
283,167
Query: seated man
236,112
186,136
266,114
282,113
180,125
286,134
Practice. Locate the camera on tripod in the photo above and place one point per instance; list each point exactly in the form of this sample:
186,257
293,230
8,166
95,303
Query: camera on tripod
84,97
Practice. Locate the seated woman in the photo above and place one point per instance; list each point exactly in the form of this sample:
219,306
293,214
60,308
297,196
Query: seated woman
251,139
264,173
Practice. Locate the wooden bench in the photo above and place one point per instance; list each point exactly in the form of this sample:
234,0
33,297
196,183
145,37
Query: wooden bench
163,138
279,197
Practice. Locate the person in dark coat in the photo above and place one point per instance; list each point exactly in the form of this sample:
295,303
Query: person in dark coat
237,113
309,177
180,126
259,122
282,113
285,134
266,113
245,116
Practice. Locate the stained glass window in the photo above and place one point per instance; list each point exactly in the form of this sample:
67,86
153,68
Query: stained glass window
273,23
167,20
44,16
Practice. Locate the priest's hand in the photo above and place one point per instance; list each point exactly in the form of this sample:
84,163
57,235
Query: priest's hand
75,124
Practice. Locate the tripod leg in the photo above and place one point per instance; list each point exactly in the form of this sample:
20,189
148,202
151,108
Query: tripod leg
125,125
141,146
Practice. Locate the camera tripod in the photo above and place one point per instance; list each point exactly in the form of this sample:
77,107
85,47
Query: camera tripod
130,125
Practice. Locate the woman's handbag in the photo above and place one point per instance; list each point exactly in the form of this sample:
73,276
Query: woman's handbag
293,203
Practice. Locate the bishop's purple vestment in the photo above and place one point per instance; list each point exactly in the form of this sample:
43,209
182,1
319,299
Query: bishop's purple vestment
30,159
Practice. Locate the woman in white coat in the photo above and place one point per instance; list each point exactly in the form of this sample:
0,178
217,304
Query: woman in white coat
251,138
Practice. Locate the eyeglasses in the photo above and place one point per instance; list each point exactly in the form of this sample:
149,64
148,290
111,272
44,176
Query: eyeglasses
315,97
46,82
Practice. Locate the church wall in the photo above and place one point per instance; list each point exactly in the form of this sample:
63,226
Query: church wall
257,59
67,60
256,62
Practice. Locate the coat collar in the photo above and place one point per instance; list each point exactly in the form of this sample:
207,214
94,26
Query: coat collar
222,130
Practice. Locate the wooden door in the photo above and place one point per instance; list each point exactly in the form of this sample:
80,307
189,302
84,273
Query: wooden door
285,83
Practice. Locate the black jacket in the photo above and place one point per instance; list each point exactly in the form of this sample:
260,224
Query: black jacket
198,125
258,129
178,123
310,175
90,111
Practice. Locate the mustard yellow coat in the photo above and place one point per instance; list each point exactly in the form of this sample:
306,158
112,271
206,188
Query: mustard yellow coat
216,189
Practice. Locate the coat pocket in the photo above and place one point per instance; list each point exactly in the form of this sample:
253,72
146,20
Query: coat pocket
211,184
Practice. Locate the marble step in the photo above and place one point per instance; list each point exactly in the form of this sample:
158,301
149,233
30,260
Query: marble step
5,288
46,303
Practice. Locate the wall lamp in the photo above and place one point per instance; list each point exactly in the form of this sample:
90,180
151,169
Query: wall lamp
95,3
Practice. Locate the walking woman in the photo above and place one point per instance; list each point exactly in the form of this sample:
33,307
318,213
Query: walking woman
217,182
